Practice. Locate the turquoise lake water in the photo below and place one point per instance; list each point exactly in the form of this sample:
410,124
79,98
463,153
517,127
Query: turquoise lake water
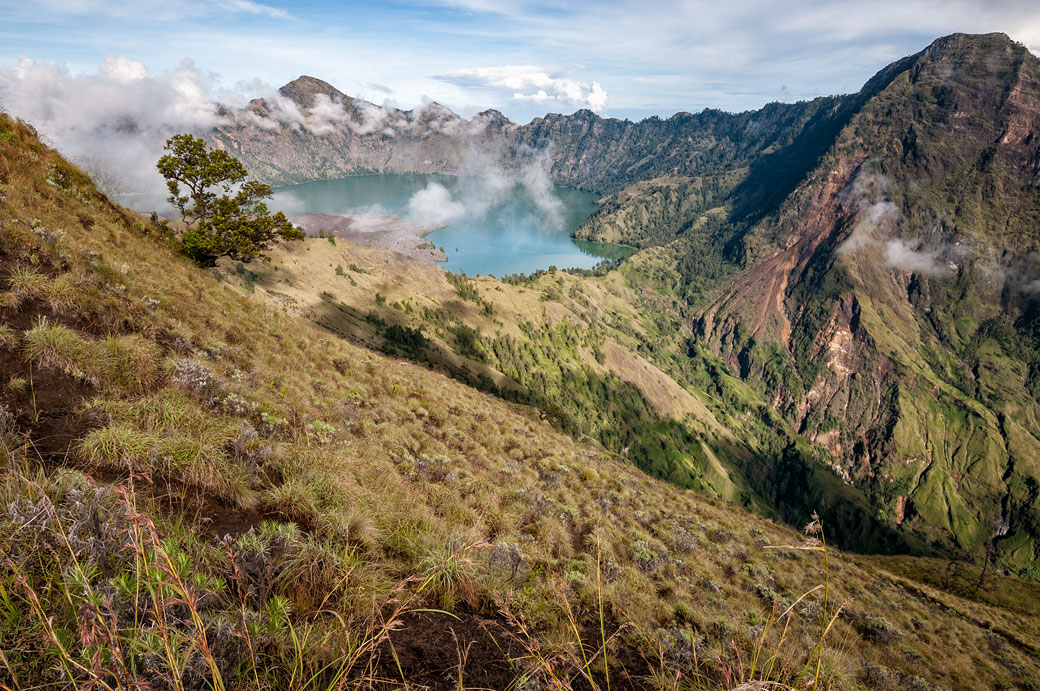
491,227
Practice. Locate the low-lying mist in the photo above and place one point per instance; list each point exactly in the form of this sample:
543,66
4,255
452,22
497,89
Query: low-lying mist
484,185
114,122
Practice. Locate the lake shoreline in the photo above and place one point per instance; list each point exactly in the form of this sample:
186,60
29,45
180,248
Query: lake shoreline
485,226
376,230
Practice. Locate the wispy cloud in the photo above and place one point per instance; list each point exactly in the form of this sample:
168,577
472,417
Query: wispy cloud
250,7
532,84
912,257
144,9
684,55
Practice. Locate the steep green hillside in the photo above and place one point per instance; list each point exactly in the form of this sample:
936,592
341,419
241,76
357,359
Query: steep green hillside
201,491
579,348
888,306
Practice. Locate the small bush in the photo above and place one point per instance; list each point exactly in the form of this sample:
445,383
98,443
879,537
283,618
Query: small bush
321,432
683,541
644,556
198,381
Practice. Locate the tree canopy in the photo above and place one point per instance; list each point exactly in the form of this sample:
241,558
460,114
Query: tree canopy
224,214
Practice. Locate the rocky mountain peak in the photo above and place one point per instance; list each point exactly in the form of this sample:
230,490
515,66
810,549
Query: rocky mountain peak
304,89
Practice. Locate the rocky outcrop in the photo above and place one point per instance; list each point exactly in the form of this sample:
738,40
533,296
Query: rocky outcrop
312,131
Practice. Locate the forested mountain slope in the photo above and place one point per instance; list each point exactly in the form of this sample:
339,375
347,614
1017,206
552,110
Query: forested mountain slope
888,305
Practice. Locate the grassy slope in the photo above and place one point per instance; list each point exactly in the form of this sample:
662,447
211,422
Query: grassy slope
336,474
589,352
567,327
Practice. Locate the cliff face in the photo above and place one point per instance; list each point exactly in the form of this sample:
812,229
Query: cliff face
312,131
889,304
609,154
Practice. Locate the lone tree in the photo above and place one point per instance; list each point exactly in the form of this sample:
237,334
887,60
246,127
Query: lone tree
223,213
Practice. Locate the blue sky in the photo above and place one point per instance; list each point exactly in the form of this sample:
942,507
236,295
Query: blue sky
620,57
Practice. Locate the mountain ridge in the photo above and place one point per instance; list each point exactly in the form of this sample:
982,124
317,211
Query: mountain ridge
871,270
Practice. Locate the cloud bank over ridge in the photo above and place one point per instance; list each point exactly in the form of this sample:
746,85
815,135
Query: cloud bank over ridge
114,121
532,84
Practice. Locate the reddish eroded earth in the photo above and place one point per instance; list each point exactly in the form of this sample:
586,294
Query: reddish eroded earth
761,293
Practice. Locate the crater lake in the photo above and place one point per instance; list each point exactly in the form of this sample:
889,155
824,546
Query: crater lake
486,225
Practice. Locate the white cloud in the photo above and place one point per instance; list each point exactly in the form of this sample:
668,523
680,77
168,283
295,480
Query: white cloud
864,233
434,205
123,70
910,257
738,55
682,56
878,221
113,122
250,7
483,185
876,224
529,83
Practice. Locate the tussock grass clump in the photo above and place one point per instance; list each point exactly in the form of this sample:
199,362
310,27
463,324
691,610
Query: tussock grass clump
9,337
60,348
61,293
24,283
127,364
451,573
